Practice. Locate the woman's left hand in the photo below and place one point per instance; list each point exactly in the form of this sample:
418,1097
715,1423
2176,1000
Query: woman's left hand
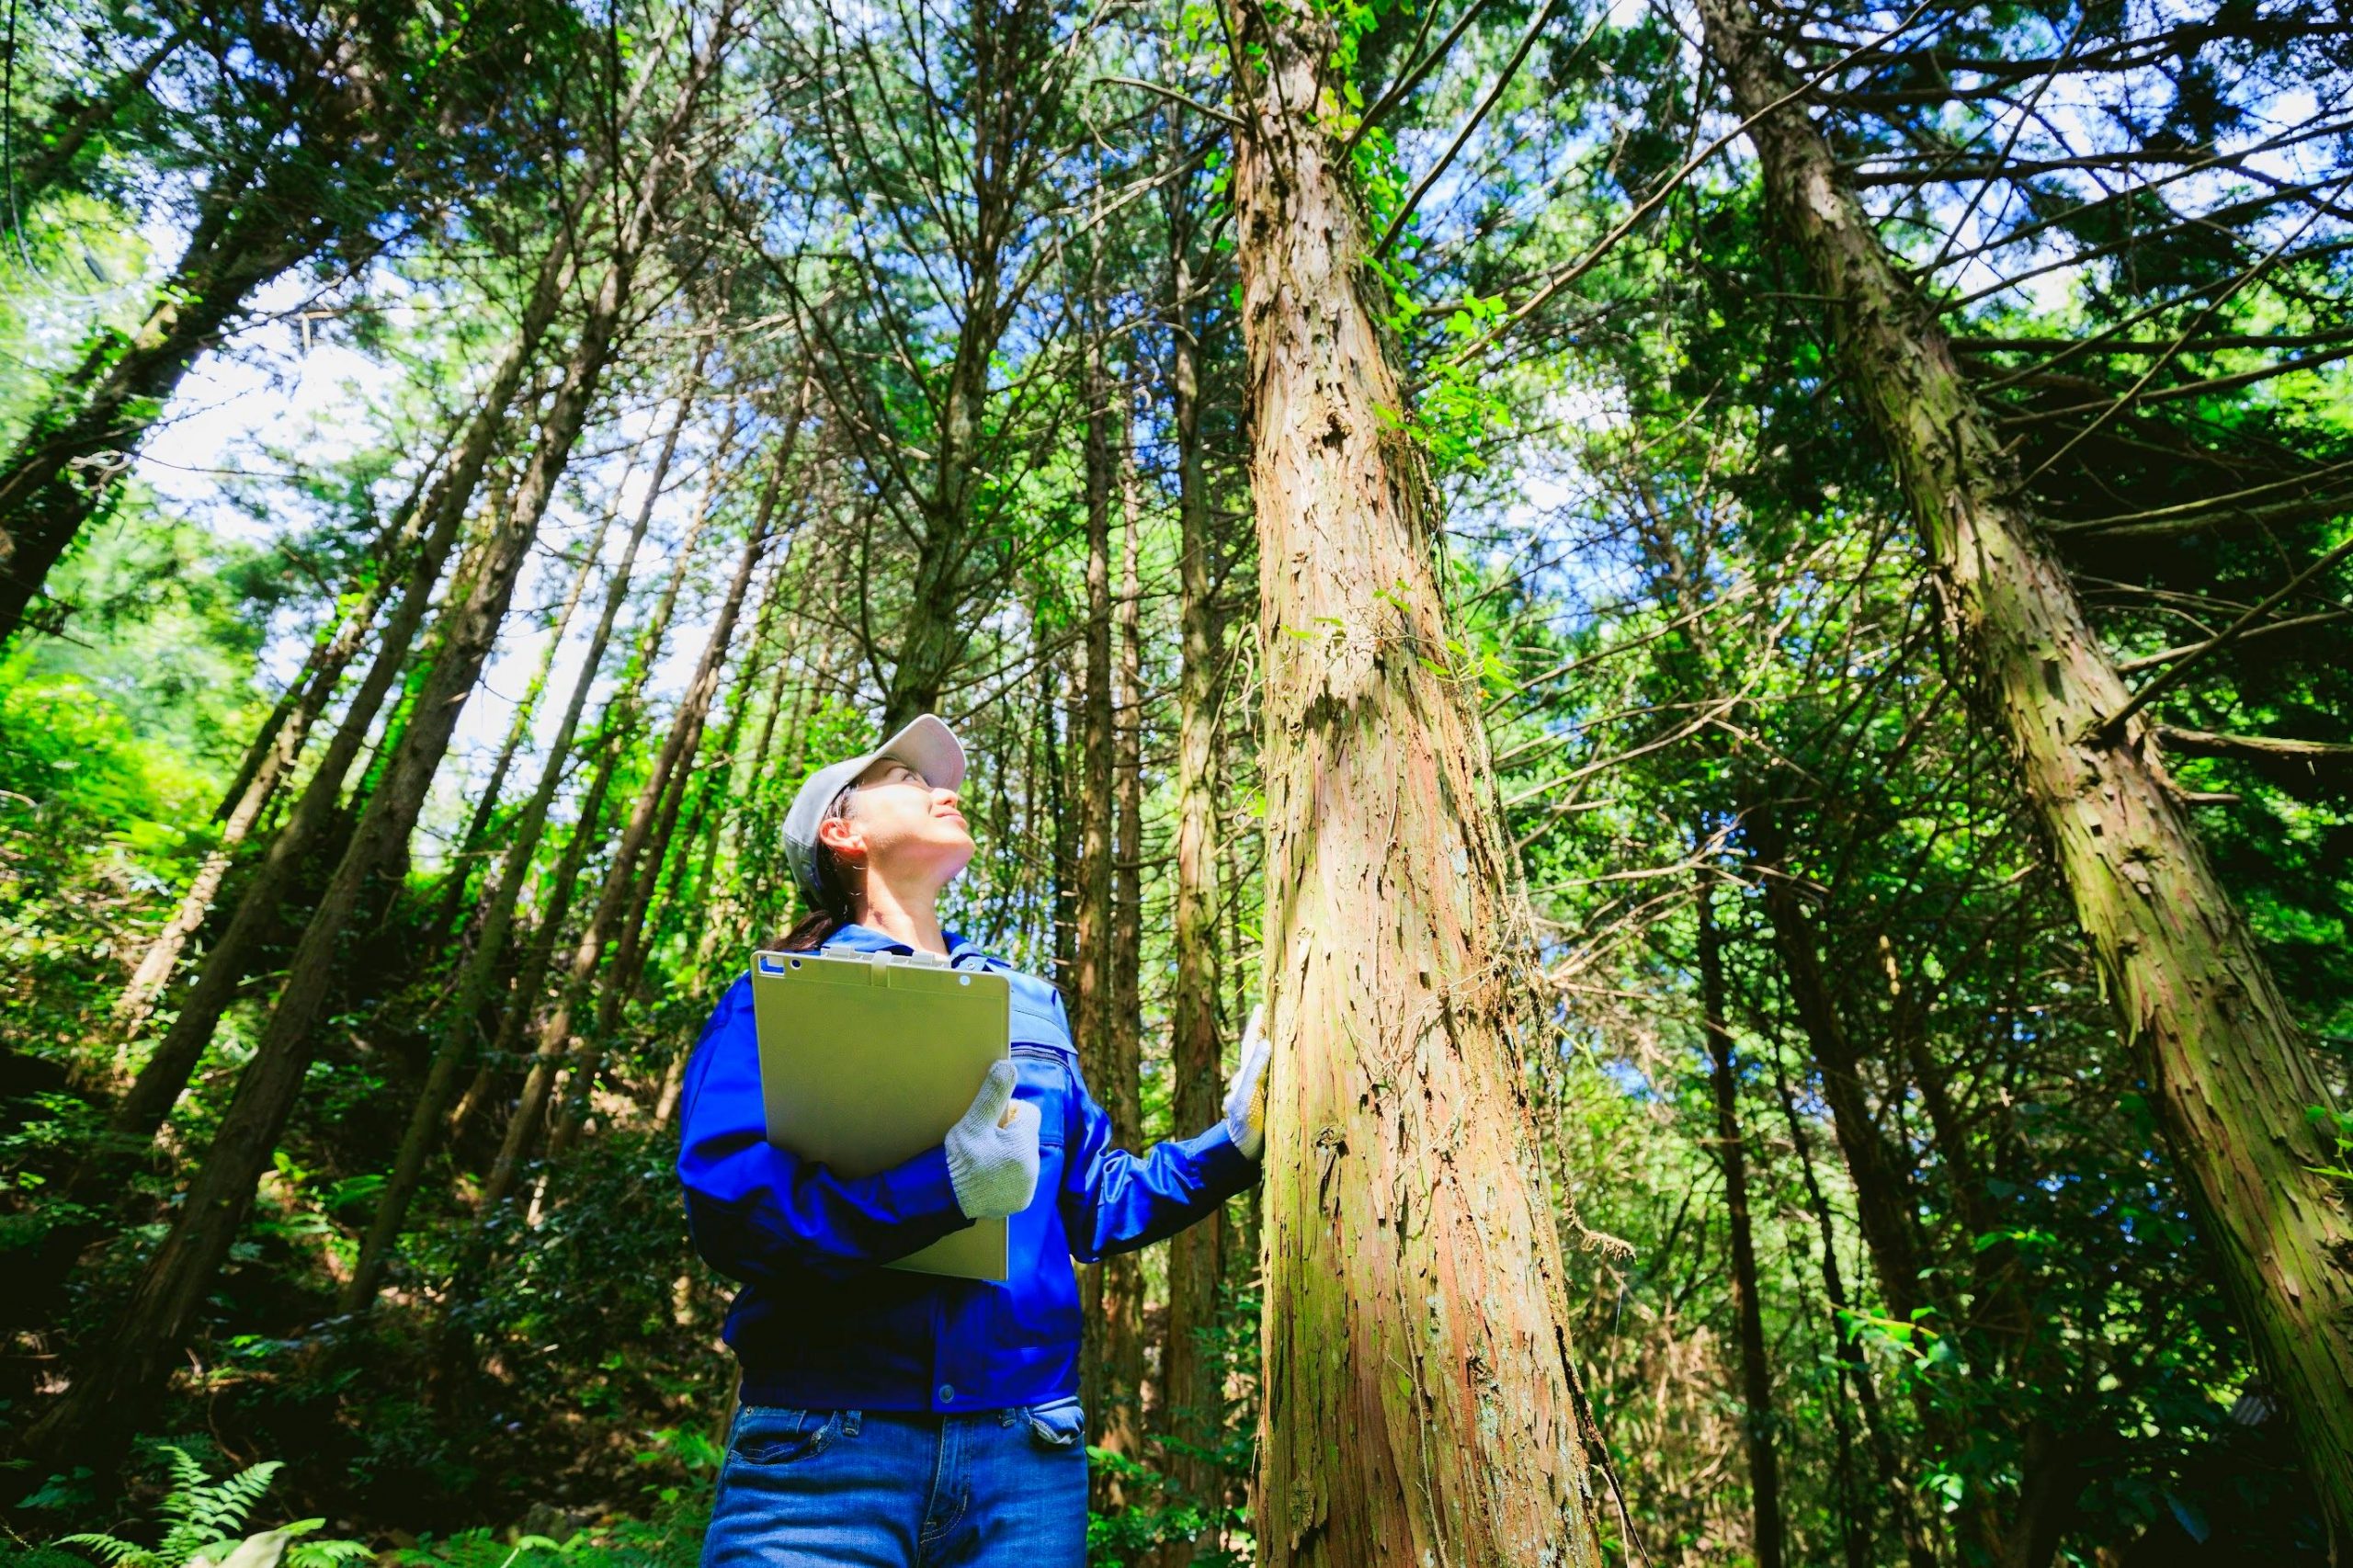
1245,1096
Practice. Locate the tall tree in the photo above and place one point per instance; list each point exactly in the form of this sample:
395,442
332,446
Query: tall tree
323,121
276,751
198,1009
1748,1313
1112,1359
1192,1399
2231,1077
461,1016
112,1392
1419,1395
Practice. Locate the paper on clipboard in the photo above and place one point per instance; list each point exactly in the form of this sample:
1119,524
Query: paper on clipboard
868,1059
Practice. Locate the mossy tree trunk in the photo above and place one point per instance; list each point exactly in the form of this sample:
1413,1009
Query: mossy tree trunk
1419,1401
2212,1035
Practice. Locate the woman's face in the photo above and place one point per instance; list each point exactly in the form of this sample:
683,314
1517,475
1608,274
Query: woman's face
901,828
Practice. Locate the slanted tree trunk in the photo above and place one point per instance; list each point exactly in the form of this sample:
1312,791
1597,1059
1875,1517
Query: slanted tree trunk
112,1392
617,731
1419,1398
151,1095
48,153
473,843
1884,1201
66,467
1758,1423
276,749
2232,1078
1855,1370
460,1019
645,838
1192,1400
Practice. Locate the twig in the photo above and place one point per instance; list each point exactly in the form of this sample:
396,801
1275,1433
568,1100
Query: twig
2105,732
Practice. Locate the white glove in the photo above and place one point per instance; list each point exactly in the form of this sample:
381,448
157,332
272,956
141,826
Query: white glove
993,1150
1245,1098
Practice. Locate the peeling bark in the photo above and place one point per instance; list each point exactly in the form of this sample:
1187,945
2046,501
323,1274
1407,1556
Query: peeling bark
1419,1398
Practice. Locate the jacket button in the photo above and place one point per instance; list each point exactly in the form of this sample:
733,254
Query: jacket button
947,1394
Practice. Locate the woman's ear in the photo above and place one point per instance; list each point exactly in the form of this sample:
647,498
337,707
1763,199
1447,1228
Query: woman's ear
841,836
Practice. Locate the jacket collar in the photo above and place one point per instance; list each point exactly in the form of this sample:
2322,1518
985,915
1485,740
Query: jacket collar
860,939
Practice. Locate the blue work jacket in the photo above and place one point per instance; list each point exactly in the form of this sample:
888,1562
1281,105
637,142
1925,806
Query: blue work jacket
820,1324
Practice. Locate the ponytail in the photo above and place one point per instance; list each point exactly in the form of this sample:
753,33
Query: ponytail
811,932
831,902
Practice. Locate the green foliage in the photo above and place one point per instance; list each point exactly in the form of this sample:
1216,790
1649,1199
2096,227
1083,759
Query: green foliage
204,1522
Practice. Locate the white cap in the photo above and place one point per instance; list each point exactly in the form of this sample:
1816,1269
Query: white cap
927,746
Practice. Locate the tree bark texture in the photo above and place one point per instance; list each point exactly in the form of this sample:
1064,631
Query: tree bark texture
1419,1400
1756,1374
2213,1036
1192,1397
1112,1356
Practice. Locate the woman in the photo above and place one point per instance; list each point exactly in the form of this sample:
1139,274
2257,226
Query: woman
891,1417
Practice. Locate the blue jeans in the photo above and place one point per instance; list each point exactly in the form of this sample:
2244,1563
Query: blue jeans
901,1489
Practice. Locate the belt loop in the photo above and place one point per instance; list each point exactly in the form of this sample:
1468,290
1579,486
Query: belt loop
1008,1415
849,1423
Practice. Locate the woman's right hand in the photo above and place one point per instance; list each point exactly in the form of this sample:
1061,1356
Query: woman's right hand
993,1150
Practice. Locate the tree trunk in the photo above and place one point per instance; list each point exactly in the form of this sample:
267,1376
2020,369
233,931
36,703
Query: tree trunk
2231,1077
104,1402
1121,1085
50,157
473,843
1061,681
1105,1366
159,1083
276,749
1756,1376
1192,1400
1884,1202
1419,1398
66,468
462,1020
617,731
637,864
1854,1367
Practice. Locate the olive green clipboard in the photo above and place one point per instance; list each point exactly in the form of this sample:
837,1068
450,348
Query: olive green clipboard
868,1059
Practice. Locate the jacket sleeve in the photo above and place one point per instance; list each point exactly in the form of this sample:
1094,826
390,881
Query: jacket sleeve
1115,1201
756,1211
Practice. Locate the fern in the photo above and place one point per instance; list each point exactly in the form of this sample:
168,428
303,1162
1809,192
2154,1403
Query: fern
204,1521
113,1552
326,1553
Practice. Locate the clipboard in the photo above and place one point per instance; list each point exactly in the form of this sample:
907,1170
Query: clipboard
868,1059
